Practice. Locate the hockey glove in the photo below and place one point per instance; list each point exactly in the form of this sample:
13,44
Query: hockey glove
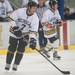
16,31
32,43
26,39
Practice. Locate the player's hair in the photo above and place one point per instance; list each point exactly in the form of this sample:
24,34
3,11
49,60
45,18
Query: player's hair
66,9
53,2
32,3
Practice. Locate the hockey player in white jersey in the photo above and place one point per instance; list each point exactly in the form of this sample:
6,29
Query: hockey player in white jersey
25,28
50,22
40,10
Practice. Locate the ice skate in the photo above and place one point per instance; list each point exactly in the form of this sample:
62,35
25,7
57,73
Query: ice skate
7,67
56,56
14,67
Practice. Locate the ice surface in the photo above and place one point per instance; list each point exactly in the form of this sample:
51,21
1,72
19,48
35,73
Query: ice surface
35,64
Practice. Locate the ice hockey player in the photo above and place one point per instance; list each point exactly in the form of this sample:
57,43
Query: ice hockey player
40,10
50,21
26,22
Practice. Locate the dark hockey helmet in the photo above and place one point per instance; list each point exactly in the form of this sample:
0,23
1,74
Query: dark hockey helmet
32,3
53,2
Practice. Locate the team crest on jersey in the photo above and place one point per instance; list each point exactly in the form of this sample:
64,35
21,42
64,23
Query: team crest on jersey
54,20
22,22
50,28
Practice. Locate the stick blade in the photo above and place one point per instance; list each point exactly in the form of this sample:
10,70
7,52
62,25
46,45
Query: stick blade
66,72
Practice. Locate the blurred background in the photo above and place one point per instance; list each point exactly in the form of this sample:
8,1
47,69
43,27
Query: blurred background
67,31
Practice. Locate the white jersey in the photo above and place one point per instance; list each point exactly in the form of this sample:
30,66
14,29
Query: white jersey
5,7
30,23
40,11
52,18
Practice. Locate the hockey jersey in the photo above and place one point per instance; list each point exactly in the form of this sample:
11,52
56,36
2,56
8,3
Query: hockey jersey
51,18
30,23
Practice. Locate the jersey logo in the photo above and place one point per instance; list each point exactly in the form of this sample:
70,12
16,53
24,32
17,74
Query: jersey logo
22,23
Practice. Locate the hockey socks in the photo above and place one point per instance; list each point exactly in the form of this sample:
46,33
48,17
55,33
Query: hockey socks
9,59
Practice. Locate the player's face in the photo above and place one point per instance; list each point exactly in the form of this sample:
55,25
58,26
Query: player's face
66,12
41,2
55,7
31,10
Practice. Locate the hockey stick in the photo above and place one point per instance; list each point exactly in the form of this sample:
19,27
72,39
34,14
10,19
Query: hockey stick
10,18
64,72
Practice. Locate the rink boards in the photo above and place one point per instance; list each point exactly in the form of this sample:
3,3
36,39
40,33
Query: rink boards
67,36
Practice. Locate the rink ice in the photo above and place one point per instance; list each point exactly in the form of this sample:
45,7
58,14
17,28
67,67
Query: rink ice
35,64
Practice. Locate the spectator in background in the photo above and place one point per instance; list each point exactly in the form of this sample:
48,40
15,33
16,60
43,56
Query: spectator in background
67,13
72,16
5,9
